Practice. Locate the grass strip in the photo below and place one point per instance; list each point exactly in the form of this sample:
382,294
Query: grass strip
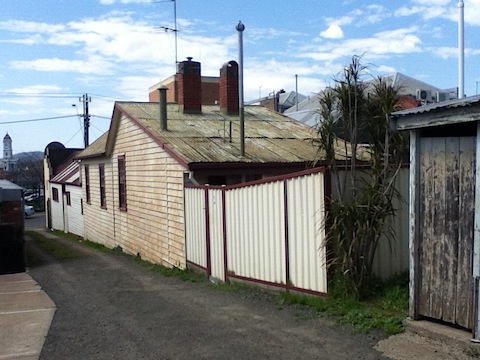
52,246
184,275
385,310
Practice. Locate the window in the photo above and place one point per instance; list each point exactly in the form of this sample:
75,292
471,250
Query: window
103,197
55,194
87,183
68,198
122,183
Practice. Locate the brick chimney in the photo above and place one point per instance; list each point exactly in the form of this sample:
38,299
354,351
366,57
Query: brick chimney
228,88
190,86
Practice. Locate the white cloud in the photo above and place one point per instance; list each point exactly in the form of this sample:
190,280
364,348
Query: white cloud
446,9
452,52
383,69
380,45
93,65
135,87
445,52
334,31
29,26
34,89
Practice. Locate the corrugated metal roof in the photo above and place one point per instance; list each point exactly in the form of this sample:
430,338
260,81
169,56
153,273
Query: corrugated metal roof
459,111
308,109
97,148
450,104
8,185
205,137
69,175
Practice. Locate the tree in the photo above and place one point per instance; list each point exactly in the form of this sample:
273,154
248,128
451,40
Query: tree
361,210
29,173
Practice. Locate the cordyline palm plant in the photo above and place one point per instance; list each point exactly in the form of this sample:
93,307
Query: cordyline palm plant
363,157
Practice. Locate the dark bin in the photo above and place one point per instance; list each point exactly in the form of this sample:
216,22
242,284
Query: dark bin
12,239
12,249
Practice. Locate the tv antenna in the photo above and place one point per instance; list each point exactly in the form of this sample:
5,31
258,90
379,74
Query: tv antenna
174,29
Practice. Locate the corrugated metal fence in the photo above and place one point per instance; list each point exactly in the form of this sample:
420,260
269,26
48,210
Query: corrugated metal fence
269,232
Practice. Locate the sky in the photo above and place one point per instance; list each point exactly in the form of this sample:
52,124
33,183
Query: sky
52,52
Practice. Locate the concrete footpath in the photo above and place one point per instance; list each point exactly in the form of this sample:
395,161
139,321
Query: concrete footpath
26,313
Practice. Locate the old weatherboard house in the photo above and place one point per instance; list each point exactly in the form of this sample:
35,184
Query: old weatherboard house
133,177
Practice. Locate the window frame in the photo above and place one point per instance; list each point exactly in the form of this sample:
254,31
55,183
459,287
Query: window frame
55,194
87,184
68,198
102,187
122,183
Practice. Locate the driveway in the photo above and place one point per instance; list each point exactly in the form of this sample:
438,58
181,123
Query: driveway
35,221
110,307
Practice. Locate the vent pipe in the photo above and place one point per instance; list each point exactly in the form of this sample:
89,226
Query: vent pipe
162,102
240,28
461,53
296,92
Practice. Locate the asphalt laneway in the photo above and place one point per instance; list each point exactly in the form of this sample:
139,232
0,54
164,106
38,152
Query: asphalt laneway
110,307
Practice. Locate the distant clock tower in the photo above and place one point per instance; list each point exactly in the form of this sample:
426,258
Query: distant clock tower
8,162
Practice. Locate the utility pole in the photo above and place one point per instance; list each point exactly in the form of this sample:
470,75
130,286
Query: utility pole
86,117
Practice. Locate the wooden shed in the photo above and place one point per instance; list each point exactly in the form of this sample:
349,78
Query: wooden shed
444,211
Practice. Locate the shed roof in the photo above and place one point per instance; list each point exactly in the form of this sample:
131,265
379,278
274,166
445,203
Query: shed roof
442,113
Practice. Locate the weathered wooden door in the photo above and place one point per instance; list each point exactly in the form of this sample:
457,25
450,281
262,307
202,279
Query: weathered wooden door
447,179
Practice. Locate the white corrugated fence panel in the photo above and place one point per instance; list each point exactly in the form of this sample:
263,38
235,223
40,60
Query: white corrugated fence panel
306,200
195,228
393,257
256,232
216,233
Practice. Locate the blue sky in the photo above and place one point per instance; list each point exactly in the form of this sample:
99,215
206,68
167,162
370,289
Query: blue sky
53,51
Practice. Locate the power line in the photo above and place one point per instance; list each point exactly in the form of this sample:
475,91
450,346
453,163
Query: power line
101,117
41,119
51,95
37,95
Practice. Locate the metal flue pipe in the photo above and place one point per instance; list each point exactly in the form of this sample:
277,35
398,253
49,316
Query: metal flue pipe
162,102
240,28
461,51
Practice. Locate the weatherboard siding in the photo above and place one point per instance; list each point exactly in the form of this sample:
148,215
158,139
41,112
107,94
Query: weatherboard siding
56,209
99,221
153,225
73,213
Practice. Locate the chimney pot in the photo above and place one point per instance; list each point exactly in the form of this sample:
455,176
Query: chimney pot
190,86
229,91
